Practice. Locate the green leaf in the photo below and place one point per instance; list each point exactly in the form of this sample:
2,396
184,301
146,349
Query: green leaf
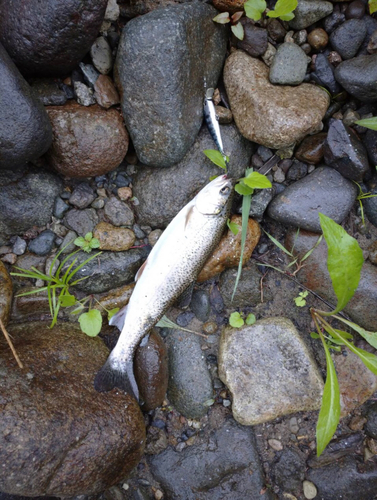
329,414
222,18
300,300
279,245
246,203
370,337
256,180
369,122
235,228
213,177
250,319
216,157
241,188
91,322
283,9
314,335
372,6
80,241
94,243
165,322
66,299
344,261
88,236
112,312
254,9
236,320
237,30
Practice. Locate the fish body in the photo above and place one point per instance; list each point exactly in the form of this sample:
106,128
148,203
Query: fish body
173,264
212,121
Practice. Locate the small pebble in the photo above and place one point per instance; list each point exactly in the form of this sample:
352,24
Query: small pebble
210,327
101,55
98,203
373,253
9,258
125,193
19,246
84,94
60,208
334,58
310,491
275,444
318,38
279,175
153,236
293,425
226,403
372,445
300,37
43,243
269,55
350,117
180,446
355,10
158,495
224,115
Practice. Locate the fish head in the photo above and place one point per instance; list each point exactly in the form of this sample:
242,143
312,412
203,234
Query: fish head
212,199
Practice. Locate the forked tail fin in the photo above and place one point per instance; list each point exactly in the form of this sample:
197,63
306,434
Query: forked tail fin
122,377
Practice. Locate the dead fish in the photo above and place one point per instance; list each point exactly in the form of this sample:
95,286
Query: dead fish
173,264
212,121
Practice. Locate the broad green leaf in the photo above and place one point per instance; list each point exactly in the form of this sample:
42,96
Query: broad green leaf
329,414
235,228
370,337
283,9
94,243
344,260
254,9
222,18
80,241
250,319
237,30
112,312
246,203
91,322
241,188
236,320
216,157
88,236
369,122
372,6
279,245
256,180
67,300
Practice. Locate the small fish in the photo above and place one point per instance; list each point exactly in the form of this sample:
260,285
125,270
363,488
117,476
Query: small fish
212,121
173,264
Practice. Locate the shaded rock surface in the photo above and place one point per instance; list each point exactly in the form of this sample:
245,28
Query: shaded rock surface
273,116
285,378
323,74
82,442
49,38
86,141
348,37
182,182
224,467
19,143
370,204
358,77
324,190
190,384
6,294
255,39
316,277
27,198
164,117
309,12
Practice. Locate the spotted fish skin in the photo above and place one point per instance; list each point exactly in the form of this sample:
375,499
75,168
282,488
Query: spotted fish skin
173,264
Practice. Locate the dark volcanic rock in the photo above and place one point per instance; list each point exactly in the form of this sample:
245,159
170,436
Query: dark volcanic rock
49,38
345,152
19,106
81,442
370,143
358,76
370,204
255,39
26,199
42,244
288,470
163,192
179,51
348,37
324,190
324,74
224,467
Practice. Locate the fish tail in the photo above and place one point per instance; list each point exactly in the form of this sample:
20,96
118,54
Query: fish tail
119,375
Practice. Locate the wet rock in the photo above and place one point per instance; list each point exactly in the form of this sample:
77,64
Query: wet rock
49,38
101,55
27,198
275,29
20,144
356,382
348,37
259,203
54,414
358,77
370,143
318,39
355,10
225,466
109,270
180,183
324,190
288,470
113,238
309,12
86,141
48,92
228,252
296,111
118,212
90,74
163,130
117,297
190,384
285,377
340,447
6,294
248,289
105,92
316,277
345,152
200,305
81,221
354,480
297,171
289,65
151,371
323,74
82,196
371,425
255,39
60,208
43,243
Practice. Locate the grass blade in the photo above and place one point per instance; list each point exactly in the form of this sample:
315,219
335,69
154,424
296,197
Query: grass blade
82,265
309,252
246,203
279,245
370,337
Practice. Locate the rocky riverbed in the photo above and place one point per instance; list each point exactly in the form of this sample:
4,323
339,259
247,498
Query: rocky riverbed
101,131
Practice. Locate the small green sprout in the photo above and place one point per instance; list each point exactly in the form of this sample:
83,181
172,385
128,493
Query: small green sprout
237,320
87,243
300,300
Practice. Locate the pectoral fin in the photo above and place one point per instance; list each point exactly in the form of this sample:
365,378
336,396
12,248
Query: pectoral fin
119,318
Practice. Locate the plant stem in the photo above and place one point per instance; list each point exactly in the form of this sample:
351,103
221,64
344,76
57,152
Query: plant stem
7,338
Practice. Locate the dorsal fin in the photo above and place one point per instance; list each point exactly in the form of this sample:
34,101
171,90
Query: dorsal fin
140,270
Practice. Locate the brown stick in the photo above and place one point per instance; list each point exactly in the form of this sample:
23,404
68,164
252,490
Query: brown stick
7,338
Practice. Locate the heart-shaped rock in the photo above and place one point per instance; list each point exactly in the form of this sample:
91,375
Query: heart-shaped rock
271,115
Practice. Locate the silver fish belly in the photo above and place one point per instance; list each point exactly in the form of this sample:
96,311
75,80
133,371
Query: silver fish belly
173,264
212,121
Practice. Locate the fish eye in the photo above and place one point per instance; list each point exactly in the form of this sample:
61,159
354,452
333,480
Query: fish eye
225,190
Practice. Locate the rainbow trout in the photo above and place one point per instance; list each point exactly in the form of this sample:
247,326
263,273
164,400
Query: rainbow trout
173,264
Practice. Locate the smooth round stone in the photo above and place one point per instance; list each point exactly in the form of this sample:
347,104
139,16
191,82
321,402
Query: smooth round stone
309,12
358,76
113,238
355,10
200,305
324,190
347,39
42,244
60,208
105,92
289,65
255,39
49,38
318,38
101,55
310,491
19,246
311,149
